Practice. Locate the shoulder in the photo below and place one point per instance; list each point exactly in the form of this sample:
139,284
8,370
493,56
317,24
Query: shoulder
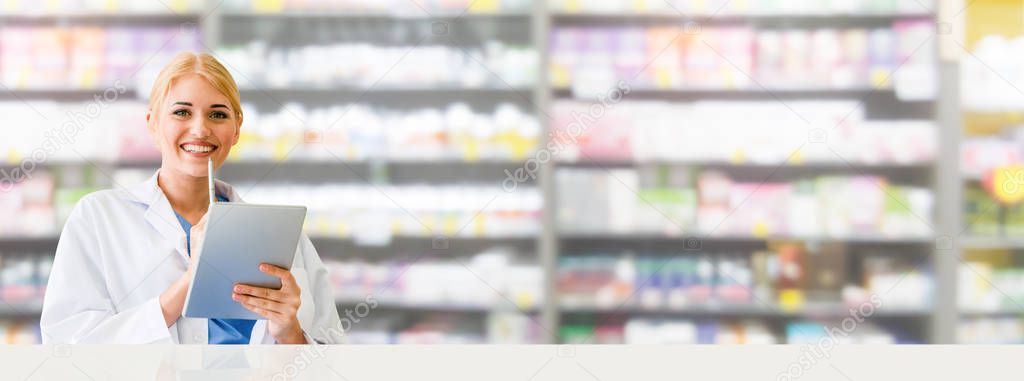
96,203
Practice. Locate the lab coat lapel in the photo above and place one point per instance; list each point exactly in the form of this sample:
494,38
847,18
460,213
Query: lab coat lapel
159,213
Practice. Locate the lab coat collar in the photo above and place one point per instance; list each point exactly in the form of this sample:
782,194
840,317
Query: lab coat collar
148,191
160,215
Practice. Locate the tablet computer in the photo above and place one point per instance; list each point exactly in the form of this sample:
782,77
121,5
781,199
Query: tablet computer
238,238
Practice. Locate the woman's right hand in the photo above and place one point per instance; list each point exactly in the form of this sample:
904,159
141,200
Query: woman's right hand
172,300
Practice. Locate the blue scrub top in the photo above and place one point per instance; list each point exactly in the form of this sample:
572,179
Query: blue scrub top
220,331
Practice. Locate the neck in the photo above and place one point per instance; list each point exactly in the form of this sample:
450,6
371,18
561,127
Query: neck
188,195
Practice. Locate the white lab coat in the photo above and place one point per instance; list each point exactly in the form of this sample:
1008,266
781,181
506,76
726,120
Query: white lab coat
121,248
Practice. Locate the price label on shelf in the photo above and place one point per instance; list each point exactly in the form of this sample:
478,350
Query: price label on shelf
342,229
11,6
699,7
796,158
560,77
484,6
791,299
396,227
429,225
268,5
573,6
524,300
471,150
180,5
450,225
1005,184
640,6
479,226
760,229
738,157
881,78
321,226
738,6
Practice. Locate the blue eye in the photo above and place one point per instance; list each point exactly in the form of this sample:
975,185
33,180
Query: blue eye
181,112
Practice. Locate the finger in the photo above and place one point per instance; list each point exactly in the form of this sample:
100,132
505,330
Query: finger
274,270
261,292
266,314
286,277
266,304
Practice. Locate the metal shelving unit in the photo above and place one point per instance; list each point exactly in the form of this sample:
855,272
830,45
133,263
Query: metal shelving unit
878,103
549,244
983,19
741,310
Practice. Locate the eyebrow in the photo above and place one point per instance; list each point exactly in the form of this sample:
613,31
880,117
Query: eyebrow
189,104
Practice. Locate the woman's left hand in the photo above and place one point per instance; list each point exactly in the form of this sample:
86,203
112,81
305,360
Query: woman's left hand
279,307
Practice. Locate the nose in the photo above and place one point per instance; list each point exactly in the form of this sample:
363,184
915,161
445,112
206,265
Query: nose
199,127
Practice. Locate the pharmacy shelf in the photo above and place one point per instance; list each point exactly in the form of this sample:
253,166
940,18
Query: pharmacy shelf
971,177
271,163
21,308
751,310
878,104
347,90
910,174
416,14
694,23
993,242
1004,311
63,94
753,93
396,172
44,244
439,244
704,18
540,96
712,164
33,308
391,97
695,241
103,18
415,247
414,306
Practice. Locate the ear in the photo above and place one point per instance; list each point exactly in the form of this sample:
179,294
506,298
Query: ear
150,121
151,126
238,131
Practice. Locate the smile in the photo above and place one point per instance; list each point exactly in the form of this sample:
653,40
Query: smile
198,148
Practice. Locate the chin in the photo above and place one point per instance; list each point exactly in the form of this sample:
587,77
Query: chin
189,167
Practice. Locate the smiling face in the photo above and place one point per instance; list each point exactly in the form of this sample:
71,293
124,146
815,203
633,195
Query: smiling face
193,123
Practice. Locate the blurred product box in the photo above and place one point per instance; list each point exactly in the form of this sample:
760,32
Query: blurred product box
723,58
840,207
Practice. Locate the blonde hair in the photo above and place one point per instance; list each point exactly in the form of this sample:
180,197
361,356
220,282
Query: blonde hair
205,66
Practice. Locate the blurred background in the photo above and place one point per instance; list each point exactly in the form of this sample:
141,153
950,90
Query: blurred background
568,171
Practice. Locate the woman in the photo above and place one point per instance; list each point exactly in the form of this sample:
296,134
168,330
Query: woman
123,263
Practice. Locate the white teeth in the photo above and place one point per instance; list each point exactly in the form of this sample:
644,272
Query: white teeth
197,148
